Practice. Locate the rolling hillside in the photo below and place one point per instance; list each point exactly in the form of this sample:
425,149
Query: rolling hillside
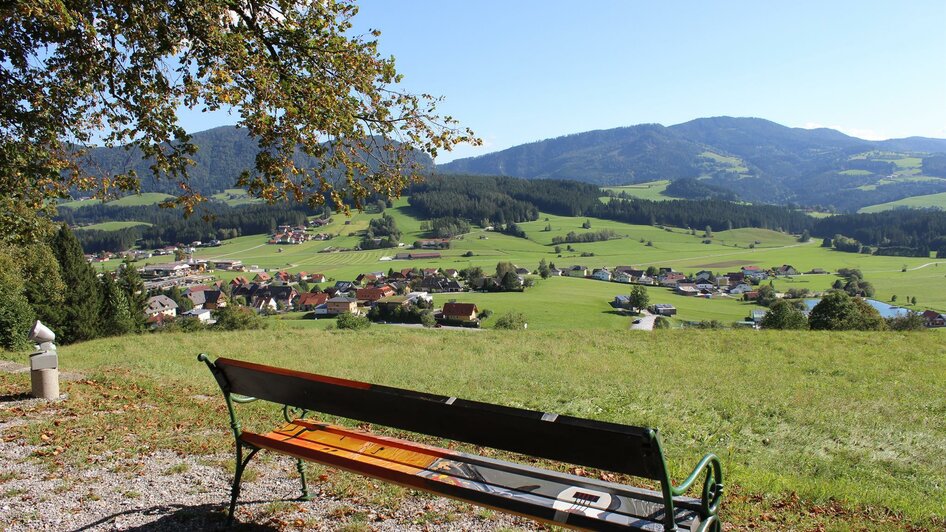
222,154
759,160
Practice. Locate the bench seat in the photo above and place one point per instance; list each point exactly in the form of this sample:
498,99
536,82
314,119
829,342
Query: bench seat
554,497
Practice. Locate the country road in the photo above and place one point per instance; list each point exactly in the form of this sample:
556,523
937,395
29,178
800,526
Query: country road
644,323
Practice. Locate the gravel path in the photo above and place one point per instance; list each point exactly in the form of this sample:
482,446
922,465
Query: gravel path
164,492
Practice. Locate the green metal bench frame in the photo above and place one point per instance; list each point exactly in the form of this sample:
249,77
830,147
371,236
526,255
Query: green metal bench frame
709,466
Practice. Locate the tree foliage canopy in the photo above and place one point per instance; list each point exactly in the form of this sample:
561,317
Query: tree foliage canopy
76,73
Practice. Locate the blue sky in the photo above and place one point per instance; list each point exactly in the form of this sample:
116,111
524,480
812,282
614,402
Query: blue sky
518,71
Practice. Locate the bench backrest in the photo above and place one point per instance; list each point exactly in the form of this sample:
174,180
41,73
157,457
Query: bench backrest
619,448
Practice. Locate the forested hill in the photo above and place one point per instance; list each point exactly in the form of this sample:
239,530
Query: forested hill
223,153
757,159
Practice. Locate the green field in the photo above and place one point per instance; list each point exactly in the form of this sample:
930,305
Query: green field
815,430
914,202
111,226
235,196
677,248
652,190
134,200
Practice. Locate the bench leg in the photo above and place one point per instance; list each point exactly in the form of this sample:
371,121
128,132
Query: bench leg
237,476
300,467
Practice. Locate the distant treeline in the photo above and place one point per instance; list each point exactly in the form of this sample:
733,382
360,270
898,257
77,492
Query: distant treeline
718,214
483,199
215,221
896,232
689,188
500,200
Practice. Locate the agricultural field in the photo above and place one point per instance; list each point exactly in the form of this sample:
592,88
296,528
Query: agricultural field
557,301
927,201
652,190
235,196
842,434
134,200
110,226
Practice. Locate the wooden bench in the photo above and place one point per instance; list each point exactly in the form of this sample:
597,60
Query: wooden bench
548,496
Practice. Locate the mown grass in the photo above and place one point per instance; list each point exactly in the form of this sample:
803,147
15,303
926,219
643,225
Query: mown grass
111,226
652,190
637,245
133,200
814,429
914,202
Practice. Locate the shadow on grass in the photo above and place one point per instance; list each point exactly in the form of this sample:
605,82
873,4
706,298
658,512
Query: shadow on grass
174,517
14,397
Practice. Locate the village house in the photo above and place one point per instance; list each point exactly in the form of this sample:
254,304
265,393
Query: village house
785,269
451,273
705,285
464,312
229,265
686,289
214,299
171,269
703,275
161,304
417,255
317,278
197,295
372,294
262,277
663,309
671,279
202,315
439,285
434,243
309,300
740,288
578,271
342,305
555,272
931,318
601,274
622,277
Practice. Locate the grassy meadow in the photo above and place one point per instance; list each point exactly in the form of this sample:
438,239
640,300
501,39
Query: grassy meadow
914,202
134,200
110,226
555,301
652,190
815,430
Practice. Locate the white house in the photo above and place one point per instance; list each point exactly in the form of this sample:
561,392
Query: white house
161,305
602,275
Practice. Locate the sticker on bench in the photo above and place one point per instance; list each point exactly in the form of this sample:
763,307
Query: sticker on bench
581,500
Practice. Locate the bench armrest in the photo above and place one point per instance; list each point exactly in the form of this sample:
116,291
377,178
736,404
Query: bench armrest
712,484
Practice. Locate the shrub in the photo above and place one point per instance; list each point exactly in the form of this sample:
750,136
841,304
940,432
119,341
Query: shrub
838,311
511,320
235,318
427,319
783,315
910,322
352,321
661,323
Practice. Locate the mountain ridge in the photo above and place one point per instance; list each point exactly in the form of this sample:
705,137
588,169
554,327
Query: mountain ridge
757,159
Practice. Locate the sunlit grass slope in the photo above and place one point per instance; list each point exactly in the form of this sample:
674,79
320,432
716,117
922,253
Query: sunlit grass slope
856,418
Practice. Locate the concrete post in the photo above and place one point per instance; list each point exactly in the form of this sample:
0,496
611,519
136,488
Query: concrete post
44,363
